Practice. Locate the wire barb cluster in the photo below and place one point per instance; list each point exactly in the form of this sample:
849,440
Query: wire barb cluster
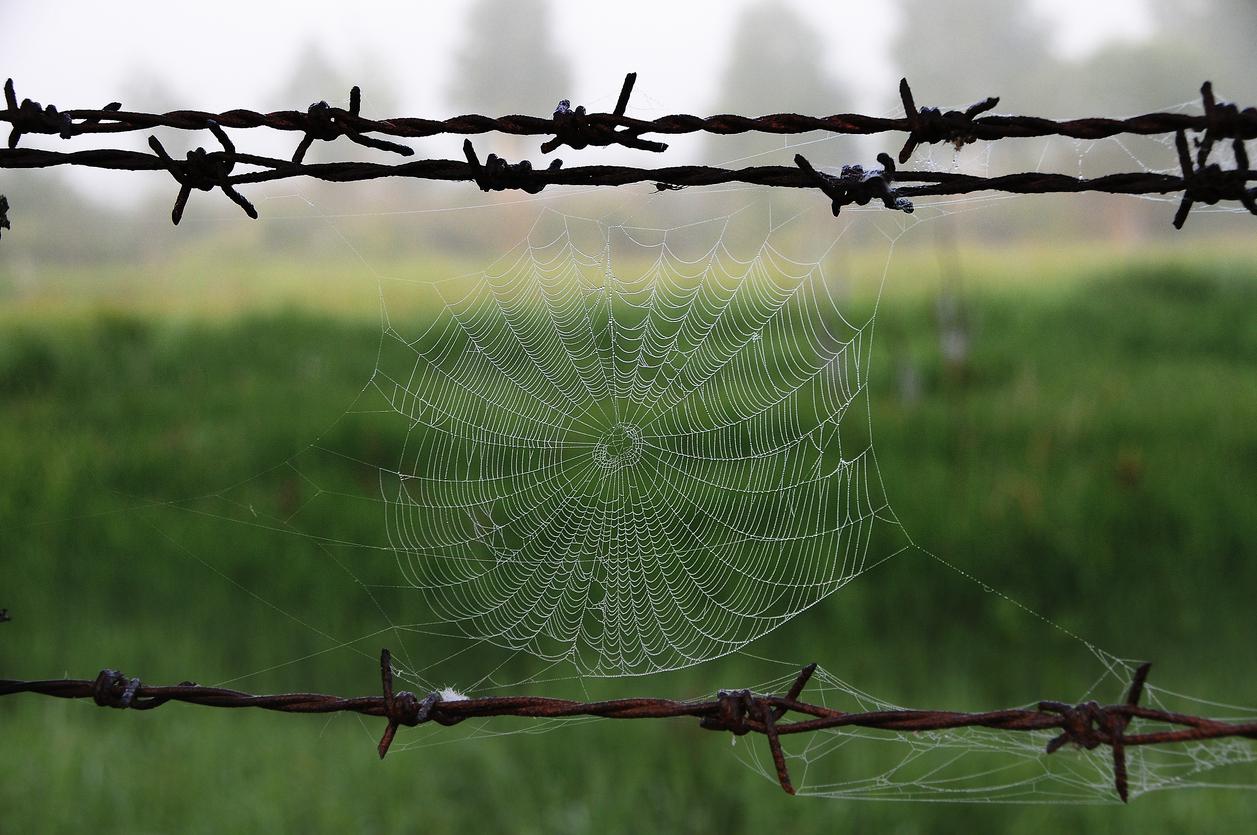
1201,181
855,185
1088,725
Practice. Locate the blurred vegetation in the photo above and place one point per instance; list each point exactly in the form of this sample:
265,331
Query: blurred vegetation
1092,453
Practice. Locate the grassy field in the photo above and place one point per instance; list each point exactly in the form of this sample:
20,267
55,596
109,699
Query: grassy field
1095,457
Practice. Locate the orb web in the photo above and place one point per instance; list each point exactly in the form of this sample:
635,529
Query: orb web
634,458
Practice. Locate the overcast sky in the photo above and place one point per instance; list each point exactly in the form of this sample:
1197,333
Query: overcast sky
235,53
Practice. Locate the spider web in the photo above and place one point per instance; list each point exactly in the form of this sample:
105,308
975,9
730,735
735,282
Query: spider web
634,463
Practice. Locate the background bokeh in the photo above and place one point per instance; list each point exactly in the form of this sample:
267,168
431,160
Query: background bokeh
1062,400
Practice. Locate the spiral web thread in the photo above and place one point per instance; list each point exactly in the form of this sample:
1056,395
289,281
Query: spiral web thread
633,465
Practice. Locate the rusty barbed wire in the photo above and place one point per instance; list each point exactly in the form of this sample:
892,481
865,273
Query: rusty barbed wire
925,125
1200,181
213,169
1088,725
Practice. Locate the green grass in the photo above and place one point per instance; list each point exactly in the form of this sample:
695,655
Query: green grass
1095,459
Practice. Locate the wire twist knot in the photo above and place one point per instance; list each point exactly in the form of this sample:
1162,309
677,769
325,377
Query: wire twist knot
496,174
575,128
113,689
325,122
203,170
734,708
930,125
857,186
1087,725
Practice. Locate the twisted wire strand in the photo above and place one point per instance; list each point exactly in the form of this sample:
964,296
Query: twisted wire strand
533,180
1088,725
1223,118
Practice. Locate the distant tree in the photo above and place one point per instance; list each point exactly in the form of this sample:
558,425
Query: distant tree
509,62
145,90
1123,78
966,50
313,78
1220,35
775,64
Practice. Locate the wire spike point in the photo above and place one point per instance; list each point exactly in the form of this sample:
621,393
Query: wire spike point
579,129
323,122
203,170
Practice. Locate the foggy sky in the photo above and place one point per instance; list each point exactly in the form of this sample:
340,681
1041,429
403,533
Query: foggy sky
236,53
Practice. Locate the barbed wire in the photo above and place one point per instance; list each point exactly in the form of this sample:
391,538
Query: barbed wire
1200,181
577,129
207,170
1088,725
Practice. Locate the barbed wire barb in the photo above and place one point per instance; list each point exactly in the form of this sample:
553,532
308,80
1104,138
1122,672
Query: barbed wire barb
929,125
1208,182
203,170
578,129
858,186
326,123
